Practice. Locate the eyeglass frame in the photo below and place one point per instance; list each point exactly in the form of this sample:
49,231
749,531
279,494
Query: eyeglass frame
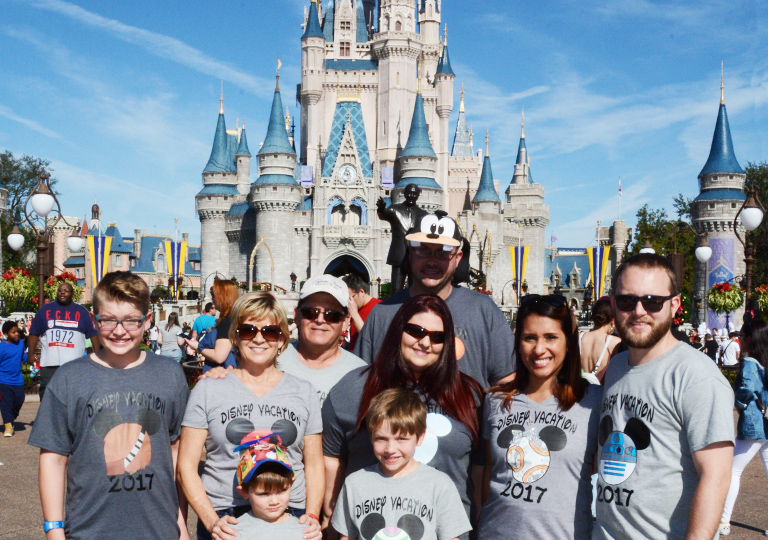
322,311
119,322
441,254
641,299
260,331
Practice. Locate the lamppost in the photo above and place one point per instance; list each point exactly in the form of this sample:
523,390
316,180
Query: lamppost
751,213
587,301
293,282
703,252
43,201
203,285
378,285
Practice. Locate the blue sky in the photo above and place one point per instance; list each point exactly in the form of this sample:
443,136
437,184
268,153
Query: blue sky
122,97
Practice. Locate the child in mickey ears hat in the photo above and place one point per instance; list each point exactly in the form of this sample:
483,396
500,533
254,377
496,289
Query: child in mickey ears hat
265,477
108,428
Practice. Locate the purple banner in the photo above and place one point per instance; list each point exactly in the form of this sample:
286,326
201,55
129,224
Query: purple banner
720,268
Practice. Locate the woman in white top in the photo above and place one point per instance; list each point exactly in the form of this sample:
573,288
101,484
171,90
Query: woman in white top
599,344
170,337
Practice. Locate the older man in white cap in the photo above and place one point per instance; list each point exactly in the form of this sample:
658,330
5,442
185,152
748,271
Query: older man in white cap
321,317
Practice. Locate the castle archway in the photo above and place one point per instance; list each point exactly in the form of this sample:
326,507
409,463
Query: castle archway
345,262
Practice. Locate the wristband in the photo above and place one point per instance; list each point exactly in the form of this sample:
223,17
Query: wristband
50,525
313,516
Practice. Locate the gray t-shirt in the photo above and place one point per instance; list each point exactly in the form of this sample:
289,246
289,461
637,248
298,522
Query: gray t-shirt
541,462
423,504
322,379
447,445
249,527
168,337
477,321
653,417
116,427
229,411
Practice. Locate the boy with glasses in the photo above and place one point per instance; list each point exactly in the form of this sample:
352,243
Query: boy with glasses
666,430
108,429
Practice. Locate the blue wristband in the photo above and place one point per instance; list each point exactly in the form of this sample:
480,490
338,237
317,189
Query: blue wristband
50,525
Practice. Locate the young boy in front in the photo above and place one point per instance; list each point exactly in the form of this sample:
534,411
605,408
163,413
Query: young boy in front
109,424
265,477
399,498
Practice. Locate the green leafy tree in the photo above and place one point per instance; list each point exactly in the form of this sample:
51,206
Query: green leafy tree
757,176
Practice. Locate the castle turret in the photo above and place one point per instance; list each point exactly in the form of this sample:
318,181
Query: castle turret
361,26
721,194
429,20
520,175
312,74
243,161
274,196
486,199
328,20
444,79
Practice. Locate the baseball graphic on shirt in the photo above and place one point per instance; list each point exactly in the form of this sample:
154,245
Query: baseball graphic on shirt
618,458
529,451
127,445
437,426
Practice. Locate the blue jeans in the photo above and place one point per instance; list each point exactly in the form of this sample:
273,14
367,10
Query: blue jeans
173,353
237,511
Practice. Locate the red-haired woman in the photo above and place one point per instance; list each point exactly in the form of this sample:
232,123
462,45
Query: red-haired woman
419,353
540,432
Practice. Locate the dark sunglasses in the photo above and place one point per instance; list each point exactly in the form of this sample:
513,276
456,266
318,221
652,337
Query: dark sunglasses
554,300
414,330
424,252
651,303
269,332
329,315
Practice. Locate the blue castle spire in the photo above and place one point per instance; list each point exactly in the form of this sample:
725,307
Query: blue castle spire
313,23
220,158
242,148
276,141
444,64
328,20
722,158
418,138
362,29
486,191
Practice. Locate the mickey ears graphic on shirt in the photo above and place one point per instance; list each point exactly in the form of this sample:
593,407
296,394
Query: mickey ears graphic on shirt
374,523
635,429
107,420
240,427
553,436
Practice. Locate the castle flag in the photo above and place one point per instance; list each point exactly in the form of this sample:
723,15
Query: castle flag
519,256
598,265
176,255
99,247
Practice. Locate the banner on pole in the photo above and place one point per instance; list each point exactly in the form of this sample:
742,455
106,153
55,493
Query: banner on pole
519,255
307,176
387,177
98,248
176,254
598,266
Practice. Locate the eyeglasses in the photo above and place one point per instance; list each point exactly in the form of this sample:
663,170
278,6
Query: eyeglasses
329,315
414,330
270,332
651,303
554,300
128,324
440,254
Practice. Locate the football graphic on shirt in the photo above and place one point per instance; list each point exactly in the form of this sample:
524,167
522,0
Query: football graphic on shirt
374,527
618,458
127,445
528,451
437,426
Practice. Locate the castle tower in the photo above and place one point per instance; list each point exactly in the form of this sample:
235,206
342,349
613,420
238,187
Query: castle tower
721,194
220,188
275,196
243,164
312,75
429,20
418,162
444,78
520,175
464,167
486,200
328,21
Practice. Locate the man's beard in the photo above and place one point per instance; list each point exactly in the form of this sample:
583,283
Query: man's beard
658,330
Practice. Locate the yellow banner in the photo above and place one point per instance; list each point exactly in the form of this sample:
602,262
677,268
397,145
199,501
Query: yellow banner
99,248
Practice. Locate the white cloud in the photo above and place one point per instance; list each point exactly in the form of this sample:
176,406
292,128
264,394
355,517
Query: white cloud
5,112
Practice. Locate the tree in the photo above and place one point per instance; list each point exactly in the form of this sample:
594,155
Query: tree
757,176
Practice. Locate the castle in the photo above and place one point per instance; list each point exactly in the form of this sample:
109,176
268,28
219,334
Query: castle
376,95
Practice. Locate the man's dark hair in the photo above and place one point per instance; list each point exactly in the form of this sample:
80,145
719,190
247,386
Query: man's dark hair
7,325
208,307
356,283
647,261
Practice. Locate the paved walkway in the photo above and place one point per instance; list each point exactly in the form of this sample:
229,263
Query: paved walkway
21,518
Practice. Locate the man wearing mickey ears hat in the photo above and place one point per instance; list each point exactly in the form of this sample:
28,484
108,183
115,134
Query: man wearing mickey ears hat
435,258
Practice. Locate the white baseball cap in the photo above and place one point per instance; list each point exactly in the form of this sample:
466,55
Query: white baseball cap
327,284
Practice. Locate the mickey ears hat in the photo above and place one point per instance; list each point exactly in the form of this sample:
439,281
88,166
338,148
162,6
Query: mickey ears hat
436,228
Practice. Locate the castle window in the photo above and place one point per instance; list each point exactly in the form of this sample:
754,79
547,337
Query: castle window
398,26
133,263
160,263
730,177
344,48
346,25
274,188
225,198
733,205
711,206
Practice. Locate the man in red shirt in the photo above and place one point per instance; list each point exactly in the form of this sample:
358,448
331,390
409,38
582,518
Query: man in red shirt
360,304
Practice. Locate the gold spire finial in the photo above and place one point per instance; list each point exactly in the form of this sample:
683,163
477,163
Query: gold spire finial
487,136
287,120
221,100
277,77
461,105
522,126
722,84
445,35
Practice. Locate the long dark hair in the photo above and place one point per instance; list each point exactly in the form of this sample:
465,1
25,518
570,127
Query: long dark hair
442,381
569,385
756,336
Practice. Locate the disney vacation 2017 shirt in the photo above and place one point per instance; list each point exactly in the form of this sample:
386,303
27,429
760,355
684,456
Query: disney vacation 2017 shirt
423,504
653,418
229,411
63,331
116,427
541,460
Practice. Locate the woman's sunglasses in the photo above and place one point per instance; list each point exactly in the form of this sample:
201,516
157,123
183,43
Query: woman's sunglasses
651,303
270,332
414,330
329,315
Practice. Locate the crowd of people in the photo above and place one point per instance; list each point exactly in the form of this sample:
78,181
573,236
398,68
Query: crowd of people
443,422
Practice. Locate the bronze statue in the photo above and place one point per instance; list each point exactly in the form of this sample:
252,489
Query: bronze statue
402,217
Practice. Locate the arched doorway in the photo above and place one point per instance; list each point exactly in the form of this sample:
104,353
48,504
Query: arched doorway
347,264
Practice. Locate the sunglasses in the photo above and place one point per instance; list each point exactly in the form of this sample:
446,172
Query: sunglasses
270,332
329,315
554,300
414,330
651,303
423,252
